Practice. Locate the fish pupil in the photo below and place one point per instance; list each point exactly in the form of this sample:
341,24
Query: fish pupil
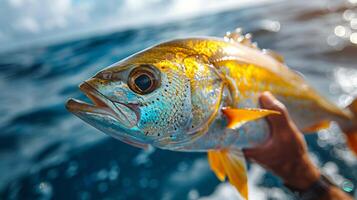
143,82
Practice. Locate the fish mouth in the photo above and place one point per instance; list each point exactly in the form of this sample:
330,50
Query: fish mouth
125,114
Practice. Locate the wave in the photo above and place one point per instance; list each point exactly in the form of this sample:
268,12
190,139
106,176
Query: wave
25,23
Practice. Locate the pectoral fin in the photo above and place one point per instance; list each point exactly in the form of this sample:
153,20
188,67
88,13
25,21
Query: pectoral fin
231,164
237,117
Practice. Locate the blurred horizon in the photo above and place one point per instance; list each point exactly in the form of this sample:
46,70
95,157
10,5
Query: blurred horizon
25,23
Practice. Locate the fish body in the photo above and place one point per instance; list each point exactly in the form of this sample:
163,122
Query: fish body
247,72
202,95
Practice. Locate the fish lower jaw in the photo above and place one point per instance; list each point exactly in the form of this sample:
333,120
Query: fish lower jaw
75,106
101,105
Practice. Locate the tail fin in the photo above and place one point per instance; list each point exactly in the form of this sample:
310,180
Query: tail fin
351,133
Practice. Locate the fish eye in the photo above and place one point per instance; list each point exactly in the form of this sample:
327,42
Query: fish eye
144,79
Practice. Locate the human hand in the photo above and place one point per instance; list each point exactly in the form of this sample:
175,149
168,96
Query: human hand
285,153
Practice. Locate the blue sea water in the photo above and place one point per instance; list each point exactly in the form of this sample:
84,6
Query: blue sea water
47,153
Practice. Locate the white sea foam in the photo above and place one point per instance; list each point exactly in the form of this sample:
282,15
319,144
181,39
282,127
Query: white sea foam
256,176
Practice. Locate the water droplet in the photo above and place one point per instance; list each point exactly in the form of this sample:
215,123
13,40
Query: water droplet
348,15
193,195
353,38
353,23
330,168
323,135
340,31
271,25
102,174
45,189
144,156
114,173
332,40
72,169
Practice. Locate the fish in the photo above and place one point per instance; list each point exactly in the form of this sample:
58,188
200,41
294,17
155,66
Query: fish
201,94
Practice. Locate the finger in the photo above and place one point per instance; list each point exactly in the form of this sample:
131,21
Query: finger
252,153
277,123
258,151
268,101
282,121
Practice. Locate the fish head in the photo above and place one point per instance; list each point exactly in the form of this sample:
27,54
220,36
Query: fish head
156,97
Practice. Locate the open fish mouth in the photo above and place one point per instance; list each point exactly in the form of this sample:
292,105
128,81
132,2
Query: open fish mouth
126,115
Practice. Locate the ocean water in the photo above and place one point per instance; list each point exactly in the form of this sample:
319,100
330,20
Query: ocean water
47,153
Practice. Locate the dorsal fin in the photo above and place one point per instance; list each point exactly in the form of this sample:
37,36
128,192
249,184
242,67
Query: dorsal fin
238,37
274,55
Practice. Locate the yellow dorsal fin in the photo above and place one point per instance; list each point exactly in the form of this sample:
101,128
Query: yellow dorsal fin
274,55
237,117
237,36
231,164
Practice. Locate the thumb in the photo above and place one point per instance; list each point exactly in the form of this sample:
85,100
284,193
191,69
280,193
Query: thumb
282,121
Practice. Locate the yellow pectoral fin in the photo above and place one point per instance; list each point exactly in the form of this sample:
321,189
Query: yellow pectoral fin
231,164
237,117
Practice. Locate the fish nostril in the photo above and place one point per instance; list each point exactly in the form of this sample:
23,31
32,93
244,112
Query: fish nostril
105,75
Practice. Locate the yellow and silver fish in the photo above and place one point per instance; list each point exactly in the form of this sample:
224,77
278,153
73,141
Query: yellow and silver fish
201,95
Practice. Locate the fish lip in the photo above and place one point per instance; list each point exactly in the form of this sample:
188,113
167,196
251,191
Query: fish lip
101,105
